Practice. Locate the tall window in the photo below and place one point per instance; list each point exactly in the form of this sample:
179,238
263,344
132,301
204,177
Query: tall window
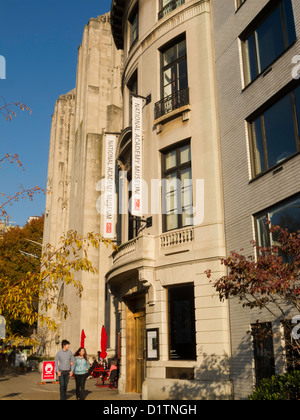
286,215
134,25
182,335
265,41
134,223
263,350
174,78
125,193
133,90
275,133
177,191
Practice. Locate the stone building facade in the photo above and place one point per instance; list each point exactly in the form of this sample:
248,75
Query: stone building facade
218,83
157,274
76,166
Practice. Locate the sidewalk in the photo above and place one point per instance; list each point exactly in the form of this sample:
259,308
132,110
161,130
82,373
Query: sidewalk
25,387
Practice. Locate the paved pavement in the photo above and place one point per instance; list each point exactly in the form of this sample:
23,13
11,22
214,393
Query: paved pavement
26,387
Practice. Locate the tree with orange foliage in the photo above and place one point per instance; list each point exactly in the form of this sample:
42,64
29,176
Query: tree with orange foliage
28,294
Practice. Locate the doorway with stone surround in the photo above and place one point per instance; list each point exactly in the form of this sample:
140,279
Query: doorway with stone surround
135,343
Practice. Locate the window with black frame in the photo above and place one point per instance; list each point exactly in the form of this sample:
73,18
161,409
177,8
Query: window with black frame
285,214
274,133
182,333
271,33
177,188
134,25
133,90
124,191
263,350
134,222
175,92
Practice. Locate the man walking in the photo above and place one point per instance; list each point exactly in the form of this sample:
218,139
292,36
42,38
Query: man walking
64,365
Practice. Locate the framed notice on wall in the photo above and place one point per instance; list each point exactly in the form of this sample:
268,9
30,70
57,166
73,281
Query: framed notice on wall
152,343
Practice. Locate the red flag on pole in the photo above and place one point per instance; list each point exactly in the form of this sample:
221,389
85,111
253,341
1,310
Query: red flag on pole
83,337
103,353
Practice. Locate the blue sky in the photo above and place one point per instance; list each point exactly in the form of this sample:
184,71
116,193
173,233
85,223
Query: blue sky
39,40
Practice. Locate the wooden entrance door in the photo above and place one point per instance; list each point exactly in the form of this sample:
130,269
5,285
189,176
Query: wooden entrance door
140,350
135,351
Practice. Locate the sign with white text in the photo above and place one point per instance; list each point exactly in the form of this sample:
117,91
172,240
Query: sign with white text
48,373
109,193
137,157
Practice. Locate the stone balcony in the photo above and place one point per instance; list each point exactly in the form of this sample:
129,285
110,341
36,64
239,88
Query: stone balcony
146,252
132,256
148,259
177,238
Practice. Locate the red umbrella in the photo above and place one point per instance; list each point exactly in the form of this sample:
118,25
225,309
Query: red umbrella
103,353
83,337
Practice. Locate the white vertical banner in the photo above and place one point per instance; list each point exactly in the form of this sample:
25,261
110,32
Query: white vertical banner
137,157
109,193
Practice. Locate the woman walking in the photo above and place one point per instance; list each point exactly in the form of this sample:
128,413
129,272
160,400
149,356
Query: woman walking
81,368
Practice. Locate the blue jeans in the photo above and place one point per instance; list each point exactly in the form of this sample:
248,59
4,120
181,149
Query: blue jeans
63,384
